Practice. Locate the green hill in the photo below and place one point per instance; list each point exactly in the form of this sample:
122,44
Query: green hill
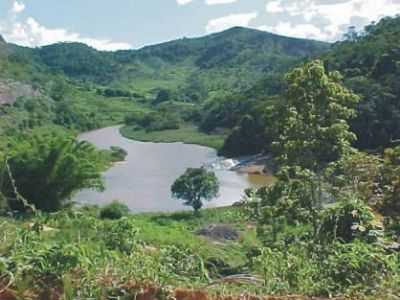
370,63
232,59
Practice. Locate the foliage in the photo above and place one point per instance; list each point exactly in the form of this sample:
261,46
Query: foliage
115,210
357,173
246,138
313,129
118,154
340,268
48,167
154,121
391,182
346,220
187,133
195,186
120,235
370,65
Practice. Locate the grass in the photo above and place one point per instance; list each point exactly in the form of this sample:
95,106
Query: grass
166,250
188,134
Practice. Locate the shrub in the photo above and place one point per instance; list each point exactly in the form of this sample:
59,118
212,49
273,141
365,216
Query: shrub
118,154
346,220
354,266
120,235
114,211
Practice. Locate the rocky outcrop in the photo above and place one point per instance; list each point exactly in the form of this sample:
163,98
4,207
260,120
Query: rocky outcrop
219,232
10,91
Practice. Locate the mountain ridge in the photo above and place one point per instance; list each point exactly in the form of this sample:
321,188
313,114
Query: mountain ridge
228,60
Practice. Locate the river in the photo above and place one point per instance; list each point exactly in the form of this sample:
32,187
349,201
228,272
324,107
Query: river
144,180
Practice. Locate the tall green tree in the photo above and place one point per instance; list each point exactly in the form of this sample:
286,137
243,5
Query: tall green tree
46,168
196,186
312,133
313,129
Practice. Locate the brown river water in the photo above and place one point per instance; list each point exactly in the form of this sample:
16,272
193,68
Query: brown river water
144,180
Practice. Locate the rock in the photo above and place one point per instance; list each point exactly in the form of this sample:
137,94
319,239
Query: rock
393,247
219,232
10,91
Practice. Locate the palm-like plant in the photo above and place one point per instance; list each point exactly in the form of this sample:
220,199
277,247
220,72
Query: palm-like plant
49,168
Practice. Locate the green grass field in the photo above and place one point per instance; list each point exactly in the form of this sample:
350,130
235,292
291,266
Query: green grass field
188,134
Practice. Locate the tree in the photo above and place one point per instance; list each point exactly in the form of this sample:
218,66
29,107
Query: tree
313,129
195,186
312,133
162,96
47,168
391,182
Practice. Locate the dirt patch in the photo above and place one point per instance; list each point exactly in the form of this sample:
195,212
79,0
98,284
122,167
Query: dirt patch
10,91
219,232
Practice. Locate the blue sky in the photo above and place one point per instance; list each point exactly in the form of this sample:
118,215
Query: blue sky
122,24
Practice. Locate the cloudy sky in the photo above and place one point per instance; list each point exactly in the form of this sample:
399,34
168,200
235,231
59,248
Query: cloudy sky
122,24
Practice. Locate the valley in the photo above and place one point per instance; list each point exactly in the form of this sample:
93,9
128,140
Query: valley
116,178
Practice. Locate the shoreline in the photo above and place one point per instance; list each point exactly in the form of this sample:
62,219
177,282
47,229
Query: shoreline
187,134
259,164
252,165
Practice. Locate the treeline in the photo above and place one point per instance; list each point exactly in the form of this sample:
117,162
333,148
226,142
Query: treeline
370,65
330,222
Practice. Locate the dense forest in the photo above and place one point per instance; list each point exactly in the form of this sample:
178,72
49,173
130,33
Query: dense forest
329,115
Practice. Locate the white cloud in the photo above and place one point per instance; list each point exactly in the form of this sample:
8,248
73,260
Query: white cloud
31,33
337,15
208,2
274,7
17,7
215,2
226,22
183,2
307,31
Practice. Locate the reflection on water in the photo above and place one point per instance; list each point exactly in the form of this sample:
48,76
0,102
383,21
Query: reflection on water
143,181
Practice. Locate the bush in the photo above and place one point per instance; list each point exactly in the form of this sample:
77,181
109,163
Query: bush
346,220
120,235
118,154
114,211
154,121
354,266
338,269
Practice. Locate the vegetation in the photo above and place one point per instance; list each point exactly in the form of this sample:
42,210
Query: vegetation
188,134
113,211
46,168
369,62
154,121
196,186
329,225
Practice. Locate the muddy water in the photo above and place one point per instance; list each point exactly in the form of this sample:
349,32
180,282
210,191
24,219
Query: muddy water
143,181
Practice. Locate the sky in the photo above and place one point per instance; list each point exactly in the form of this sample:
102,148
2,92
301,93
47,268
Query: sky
125,24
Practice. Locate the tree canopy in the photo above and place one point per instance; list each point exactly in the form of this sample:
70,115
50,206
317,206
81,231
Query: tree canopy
195,186
313,128
48,167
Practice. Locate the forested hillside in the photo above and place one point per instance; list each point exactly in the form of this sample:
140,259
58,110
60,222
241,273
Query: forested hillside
191,68
370,64
328,116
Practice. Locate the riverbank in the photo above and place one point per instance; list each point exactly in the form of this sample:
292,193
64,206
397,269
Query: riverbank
188,134
259,164
144,180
